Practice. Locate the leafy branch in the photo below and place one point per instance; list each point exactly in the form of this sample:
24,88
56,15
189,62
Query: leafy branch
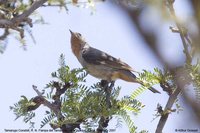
72,105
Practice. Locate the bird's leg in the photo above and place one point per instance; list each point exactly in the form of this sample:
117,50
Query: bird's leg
104,84
107,88
108,91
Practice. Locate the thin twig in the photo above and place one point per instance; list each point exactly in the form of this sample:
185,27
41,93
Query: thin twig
36,90
180,29
5,34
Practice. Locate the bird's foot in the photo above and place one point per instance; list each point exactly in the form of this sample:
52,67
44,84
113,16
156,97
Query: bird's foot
104,84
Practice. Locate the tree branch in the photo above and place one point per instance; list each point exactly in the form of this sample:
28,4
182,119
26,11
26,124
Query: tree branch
15,22
56,107
180,85
180,29
151,40
5,34
168,106
45,102
29,11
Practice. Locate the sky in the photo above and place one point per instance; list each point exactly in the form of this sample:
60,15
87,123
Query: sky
108,29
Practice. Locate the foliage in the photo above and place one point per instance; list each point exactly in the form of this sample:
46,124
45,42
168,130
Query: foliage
79,102
127,119
187,74
21,109
152,78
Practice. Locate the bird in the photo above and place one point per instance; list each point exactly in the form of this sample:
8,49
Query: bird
100,64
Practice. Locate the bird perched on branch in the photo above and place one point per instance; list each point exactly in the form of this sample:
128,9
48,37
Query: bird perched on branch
100,64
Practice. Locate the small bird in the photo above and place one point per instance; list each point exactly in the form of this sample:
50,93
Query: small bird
100,64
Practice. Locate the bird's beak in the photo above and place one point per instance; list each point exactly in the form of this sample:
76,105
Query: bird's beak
71,32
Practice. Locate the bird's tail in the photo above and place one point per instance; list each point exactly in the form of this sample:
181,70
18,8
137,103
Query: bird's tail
153,90
130,77
150,88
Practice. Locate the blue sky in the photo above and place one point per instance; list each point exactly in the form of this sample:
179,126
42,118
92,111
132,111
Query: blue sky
108,29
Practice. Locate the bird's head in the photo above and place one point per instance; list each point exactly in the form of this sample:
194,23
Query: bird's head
77,42
75,36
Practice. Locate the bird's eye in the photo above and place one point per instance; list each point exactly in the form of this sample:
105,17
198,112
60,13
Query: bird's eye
79,34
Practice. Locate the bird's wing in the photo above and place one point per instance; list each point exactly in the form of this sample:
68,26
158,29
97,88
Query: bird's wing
97,57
